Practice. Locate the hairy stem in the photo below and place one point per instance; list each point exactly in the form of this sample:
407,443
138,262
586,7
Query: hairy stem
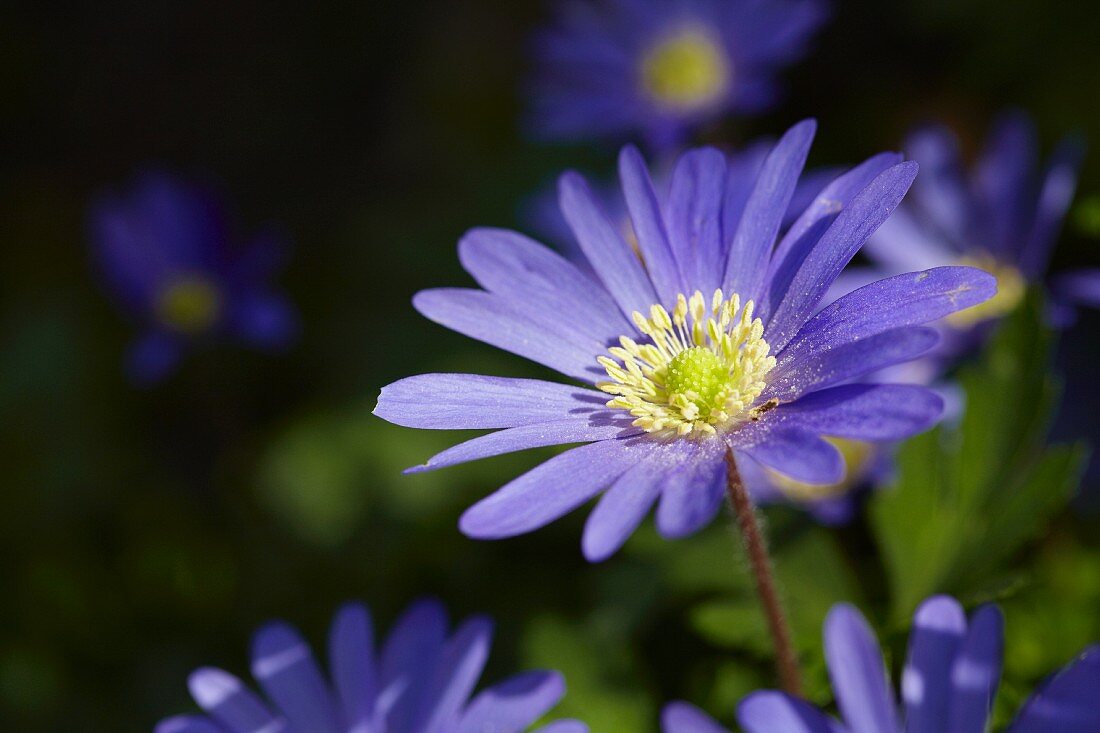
756,548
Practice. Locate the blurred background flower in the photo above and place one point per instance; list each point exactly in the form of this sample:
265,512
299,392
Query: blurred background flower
164,252
1003,214
661,70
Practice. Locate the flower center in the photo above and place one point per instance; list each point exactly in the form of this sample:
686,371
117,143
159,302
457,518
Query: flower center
701,373
189,305
857,455
686,70
1011,288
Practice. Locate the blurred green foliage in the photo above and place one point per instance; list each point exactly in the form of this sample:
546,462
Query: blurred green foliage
968,496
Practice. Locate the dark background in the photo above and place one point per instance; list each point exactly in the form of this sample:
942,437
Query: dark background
145,532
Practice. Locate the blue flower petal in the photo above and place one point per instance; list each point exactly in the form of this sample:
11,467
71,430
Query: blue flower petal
839,243
520,269
1002,179
514,704
941,190
472,401
623,507
681,717
1080,286
611,258
408,658
521,328
859,677
649,227
1067,703
552,489
283,664
524,437
807,229
187,724
692,495
777,712
797,453
839,363
354,664
228,701
871,412
1056,191
459,667
976,672
938,629
694,216
747,258
895,302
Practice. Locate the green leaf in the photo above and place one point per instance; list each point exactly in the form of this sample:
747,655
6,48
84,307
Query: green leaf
597,669
967,497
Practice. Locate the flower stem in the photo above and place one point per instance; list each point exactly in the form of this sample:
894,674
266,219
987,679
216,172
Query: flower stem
786,661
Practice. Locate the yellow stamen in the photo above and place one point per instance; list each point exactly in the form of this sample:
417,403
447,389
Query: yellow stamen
189,305
686,70
700,374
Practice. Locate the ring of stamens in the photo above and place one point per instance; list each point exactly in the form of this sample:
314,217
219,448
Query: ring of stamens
702,371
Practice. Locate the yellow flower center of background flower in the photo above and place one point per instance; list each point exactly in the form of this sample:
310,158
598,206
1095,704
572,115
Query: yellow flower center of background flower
686,70
1011,288
701,373
856,455
189,305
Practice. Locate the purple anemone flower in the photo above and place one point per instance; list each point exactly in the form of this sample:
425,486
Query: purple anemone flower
1003,215
707,339
164,251
948,684
419,680
662,69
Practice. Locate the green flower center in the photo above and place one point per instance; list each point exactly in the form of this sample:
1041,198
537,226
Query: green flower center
686,70
189,305
697,372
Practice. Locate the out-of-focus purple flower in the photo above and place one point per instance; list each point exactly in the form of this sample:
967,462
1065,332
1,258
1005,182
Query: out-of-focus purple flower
661,69
1081,286
948,684
419,680
164,251
1004,215
708,338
